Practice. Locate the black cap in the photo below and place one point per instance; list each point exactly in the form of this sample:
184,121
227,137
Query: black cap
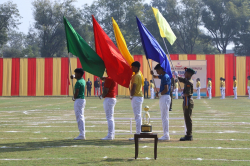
190,70
234,77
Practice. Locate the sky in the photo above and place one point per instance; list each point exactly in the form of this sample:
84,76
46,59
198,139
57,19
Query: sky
25,10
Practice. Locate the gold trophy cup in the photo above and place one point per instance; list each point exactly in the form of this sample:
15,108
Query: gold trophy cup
146,127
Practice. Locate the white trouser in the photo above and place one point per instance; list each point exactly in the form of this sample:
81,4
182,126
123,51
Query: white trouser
198,93
152,92
209,90
136,103
221,92
235,92
248,88
224,92
79,112
97,90
164,103
176,93
109,105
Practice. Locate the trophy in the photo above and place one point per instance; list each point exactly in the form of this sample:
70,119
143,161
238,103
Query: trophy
146,127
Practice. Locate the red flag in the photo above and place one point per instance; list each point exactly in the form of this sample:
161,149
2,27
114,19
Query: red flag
117,67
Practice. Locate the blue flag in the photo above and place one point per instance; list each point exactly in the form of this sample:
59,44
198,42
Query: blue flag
153,49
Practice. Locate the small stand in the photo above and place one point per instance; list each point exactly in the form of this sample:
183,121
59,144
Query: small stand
149,135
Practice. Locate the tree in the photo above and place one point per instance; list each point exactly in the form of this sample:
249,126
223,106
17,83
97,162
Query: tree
9,18
15,44
222,19
124,13
49,26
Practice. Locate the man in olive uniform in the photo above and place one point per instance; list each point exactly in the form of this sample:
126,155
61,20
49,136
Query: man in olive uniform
221,87
146,85
198,88
188,103
89,87
235,87
171,93
248,86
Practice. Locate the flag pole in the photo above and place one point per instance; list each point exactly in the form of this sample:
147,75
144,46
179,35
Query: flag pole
71,74
153,75
170,60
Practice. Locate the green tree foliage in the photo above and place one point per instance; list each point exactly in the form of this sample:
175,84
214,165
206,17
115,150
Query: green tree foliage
223,20
9,18
48,15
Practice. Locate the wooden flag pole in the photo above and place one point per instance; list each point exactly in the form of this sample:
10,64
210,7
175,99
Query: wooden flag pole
170,60
153,75
71,74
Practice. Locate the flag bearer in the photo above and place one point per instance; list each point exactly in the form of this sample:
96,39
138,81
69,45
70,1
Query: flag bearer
152,91
209,88
165,99
136,95
80,102
176,88
109,105
188,103
198,88
248,87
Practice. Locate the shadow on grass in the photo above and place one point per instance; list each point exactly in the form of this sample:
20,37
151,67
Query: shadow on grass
29,146
109,160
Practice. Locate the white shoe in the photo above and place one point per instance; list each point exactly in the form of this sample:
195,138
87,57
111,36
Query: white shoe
80,137
107,138
164,138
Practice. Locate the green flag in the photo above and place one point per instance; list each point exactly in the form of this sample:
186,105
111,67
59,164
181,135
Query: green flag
91,62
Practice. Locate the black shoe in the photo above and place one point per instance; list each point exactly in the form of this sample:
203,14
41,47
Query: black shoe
170,109
186,138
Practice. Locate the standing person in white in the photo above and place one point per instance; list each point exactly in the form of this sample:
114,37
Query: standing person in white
224,88
209,88
109,105
165,99
198,88
235,87
152,91
221,87
80,102
136,95
176,88
248,86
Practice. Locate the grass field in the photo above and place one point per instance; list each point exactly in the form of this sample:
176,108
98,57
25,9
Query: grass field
40,131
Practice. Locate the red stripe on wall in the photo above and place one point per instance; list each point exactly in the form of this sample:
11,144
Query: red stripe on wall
174,56
211,71
48,76
31,76
191,56
15,76
229,73
64,76
1,76
247,71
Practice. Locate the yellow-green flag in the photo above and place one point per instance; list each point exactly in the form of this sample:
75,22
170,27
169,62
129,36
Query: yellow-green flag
165,29
121,43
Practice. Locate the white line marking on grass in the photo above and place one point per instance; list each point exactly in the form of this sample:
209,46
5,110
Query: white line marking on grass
105,157
92,107
37,159
200,159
